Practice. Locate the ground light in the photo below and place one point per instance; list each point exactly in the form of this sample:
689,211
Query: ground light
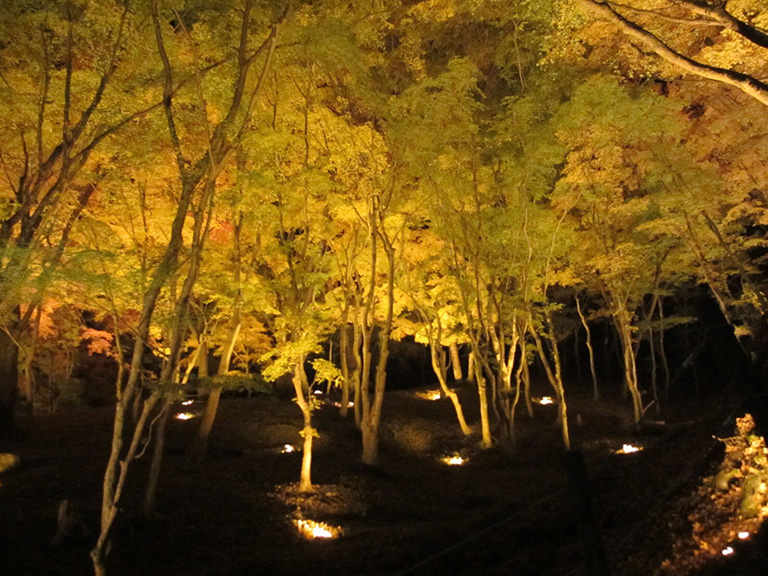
288,448
350,404
629,449
187,402
455,460
312,530
544,400
429,395
185,416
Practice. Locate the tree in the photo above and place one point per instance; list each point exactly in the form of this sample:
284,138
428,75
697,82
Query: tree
614,192
197,174
73,91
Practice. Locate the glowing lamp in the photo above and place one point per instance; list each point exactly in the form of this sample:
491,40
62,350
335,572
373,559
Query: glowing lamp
727,551
312,530
429,395
187,402
743,535
454,460
629,449
288,448
545,400
185,416
350,404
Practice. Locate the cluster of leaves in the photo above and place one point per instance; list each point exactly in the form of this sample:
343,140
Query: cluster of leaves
235,381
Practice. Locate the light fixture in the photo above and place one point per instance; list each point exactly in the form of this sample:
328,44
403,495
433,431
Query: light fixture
312,530
629,449
455,460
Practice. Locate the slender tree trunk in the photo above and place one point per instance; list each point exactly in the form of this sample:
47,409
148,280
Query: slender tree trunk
308,432
114,480
344,362
662,351
471,367
148,506
588,331
28,390
654,370
199,446
202,360
371,417
453,348
485,425
439,368
482,393
630,366
576,352
556,380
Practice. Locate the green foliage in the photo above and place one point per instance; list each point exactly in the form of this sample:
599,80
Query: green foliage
326,371
237,382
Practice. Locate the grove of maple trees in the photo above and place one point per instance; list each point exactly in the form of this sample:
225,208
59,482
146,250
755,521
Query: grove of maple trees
256,186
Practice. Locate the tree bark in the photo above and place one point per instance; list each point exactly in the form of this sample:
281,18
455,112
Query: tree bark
593,371
453,348
439,368
555,379
199,446
308,432
150,495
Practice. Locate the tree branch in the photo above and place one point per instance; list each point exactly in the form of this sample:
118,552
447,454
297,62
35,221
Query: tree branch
666,18
744,82
720,14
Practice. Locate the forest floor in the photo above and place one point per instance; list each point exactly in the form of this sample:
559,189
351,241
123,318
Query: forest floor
413,515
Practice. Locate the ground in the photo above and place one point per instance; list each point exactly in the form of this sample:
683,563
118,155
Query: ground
236,512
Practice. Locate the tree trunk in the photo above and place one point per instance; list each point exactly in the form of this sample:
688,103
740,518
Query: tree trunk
148,506
588,331
28,384
439,368
9,378
308,432
199,446
371,417
202,367
630,366
654,370
344,362
556,380
114,480
662,351
485,426
453,348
